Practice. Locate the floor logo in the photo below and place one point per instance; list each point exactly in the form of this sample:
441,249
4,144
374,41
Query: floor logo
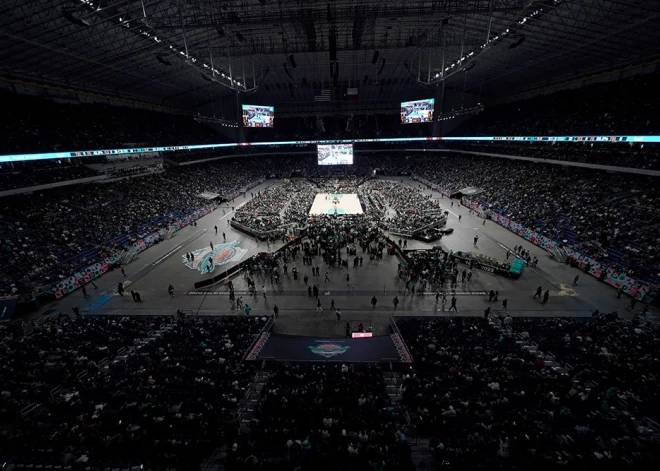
205,260
328,350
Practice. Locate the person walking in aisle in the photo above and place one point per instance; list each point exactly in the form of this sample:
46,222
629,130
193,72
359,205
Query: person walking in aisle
539,292
575,280
263,291
123,272
327,278
505,304
224,237
453,304
476,239
546,295
247,309
318,305
332,304
84,291
338,314
487,313
216,229
395,301
373,302
170,291
276,311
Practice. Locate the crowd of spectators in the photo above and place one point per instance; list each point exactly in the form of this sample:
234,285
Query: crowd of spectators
51,234
324,417
38,125
614,108
27,176
122,392
640,156
607,216
485,401
409,210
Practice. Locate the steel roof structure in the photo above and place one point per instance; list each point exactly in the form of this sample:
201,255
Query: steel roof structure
187,53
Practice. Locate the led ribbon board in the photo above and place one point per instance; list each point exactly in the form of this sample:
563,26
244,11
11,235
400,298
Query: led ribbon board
146,150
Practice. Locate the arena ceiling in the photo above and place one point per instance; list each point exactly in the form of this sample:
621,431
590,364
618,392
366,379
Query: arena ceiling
187,53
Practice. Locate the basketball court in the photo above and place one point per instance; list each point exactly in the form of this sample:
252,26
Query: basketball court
330,203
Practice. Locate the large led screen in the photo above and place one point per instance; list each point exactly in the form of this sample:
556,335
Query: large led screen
420,111
255,116
335,154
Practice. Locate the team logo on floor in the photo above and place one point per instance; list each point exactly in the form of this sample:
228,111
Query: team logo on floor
328,350
205,260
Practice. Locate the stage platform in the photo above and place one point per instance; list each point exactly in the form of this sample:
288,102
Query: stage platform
298,348
340,204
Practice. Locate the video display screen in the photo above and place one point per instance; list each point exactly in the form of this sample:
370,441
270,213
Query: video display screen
419,111
255,116
335,154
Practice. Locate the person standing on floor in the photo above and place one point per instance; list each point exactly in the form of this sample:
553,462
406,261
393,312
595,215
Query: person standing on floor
276,311
487,313
332,304
247,309
120,288
216,229
263,291
575,280
395,301
123,272
170,291
84,291
373,302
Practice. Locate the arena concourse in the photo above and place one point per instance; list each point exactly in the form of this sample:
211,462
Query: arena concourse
360,236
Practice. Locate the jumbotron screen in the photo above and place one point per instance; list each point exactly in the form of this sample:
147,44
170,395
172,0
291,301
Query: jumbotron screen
255,116
420,111
335,154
